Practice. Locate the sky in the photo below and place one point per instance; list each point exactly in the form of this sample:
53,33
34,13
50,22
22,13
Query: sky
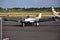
29,3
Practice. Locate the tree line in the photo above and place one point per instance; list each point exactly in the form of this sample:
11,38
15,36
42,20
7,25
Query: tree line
27,9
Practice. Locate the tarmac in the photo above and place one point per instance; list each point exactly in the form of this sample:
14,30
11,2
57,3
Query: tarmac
45,31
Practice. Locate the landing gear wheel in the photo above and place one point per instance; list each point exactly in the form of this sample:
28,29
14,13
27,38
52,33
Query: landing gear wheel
23,24
37,24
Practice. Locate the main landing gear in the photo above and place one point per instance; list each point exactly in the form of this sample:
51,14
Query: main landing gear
30,24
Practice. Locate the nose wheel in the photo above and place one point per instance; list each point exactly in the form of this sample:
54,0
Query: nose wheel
37,24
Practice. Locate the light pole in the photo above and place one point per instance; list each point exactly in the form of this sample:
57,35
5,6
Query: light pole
1,26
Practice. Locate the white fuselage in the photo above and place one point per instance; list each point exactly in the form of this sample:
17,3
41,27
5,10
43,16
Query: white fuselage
29,20
33,19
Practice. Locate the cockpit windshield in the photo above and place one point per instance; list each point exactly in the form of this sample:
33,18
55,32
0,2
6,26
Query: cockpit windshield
29,17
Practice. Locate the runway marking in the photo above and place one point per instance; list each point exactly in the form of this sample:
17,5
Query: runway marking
32,31
35,26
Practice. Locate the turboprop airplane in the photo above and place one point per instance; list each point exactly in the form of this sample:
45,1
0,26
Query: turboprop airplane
33,19
56,14
30,19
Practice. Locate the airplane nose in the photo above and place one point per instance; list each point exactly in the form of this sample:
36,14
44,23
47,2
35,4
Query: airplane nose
25,20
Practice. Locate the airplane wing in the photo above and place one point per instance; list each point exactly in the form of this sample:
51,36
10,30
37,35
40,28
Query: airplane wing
46,19
10,19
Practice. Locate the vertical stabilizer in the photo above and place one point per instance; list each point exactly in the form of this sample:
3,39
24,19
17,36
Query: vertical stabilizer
40,15
53,10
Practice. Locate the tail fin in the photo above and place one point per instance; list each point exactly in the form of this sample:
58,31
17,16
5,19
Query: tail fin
40,15
54,12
